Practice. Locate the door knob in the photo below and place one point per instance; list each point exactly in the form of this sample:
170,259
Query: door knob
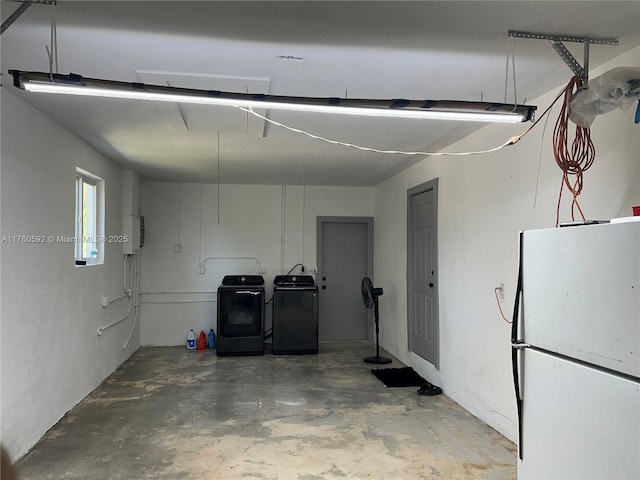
431,284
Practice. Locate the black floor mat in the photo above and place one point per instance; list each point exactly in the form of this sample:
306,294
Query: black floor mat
398,377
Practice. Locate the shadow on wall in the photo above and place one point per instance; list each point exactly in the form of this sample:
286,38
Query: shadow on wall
6,469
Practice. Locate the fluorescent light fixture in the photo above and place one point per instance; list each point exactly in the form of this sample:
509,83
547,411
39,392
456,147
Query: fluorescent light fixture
72,84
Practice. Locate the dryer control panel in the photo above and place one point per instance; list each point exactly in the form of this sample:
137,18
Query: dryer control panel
243,280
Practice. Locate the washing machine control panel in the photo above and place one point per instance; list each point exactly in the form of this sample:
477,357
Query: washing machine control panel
294,280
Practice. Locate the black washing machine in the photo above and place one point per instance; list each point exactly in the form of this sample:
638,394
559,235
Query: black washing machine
295,315
241,315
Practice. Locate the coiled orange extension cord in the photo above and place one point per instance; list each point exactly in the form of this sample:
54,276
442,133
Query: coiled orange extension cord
574,161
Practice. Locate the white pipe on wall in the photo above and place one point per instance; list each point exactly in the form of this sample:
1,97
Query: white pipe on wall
179,226
200,226
125,279
131,293
106,327
176,293
179,301
136,283
233,257
283,216
304,199
111,300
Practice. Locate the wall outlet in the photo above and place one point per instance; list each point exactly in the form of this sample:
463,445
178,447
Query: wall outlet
262,269
501,290
105,301
201,270
313,269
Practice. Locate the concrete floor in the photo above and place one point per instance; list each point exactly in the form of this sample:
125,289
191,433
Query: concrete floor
170,413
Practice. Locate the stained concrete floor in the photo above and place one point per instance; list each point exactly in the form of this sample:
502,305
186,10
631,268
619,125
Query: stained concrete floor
170,413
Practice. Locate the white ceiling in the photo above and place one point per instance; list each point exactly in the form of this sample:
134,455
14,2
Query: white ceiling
450,50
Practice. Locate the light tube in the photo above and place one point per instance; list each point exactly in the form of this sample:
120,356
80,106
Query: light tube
438,110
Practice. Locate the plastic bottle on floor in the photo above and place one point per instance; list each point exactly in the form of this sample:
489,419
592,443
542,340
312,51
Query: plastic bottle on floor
202,341
191,340
212,339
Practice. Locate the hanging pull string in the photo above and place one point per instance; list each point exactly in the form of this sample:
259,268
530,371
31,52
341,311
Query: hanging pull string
513,74
506,69
544,129
517,138
510,53
572,161
55,38
46,47
52,53
218,175
368,149
511,141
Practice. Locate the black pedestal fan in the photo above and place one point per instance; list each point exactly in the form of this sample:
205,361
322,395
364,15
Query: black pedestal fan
370,297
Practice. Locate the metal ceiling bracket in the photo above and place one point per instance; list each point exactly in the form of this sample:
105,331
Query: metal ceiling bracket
20,10
558,46
569,59
563,38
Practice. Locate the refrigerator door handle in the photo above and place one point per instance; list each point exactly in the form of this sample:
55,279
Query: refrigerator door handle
516,305
516,382
517,345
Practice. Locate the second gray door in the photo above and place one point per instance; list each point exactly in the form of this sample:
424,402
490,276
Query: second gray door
422,288
343,250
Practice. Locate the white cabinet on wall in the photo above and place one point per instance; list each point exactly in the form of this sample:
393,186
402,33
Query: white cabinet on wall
130,212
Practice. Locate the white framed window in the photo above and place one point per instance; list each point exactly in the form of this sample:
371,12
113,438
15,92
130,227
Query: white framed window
89,194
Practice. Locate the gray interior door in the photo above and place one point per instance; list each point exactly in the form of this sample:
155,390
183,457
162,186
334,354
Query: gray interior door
343,256
422,272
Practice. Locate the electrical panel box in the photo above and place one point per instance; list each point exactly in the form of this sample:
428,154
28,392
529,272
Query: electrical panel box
141,231
130,213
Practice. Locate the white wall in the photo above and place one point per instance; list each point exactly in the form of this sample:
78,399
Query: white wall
51,356
484,201
276,224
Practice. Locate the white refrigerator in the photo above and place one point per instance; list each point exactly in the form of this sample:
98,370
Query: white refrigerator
575,350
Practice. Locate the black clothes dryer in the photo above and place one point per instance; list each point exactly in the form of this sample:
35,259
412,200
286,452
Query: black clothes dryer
295,315
241,315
